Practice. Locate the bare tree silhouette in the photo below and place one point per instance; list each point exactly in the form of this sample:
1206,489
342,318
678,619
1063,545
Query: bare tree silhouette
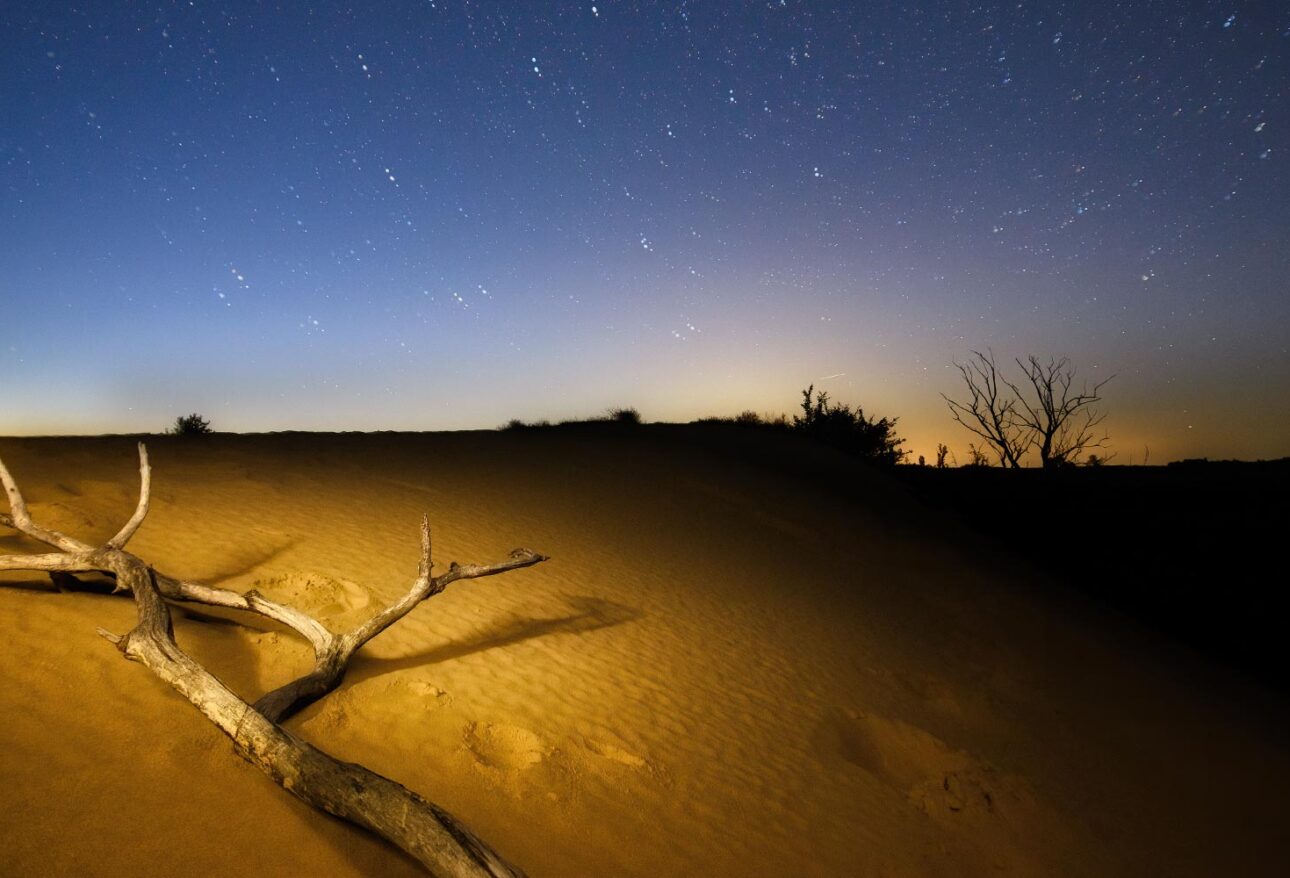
1064,421
990,412
1045,411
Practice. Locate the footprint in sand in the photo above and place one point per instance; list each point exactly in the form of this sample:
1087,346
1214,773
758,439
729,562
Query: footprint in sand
503,747
936,778
430,692
317,595
615,754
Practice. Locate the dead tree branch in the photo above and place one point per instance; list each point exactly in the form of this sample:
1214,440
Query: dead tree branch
332,653
351,792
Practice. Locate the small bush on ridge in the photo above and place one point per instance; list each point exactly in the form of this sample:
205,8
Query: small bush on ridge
626,415
190,425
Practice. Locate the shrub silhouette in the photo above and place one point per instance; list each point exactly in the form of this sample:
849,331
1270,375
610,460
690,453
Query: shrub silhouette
748,418
626,415
190,425
942,451
977,457
849,430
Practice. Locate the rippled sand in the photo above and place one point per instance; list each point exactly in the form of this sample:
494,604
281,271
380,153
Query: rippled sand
726,669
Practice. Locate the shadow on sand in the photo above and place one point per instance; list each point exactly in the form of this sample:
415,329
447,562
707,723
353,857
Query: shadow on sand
588,614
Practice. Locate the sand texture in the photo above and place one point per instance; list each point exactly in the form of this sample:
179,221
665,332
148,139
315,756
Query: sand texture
725,669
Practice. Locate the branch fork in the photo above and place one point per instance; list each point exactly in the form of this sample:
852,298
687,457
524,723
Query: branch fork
402,817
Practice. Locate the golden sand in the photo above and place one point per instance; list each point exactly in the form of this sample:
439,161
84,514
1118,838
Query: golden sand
724,670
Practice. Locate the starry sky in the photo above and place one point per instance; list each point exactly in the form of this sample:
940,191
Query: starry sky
447,214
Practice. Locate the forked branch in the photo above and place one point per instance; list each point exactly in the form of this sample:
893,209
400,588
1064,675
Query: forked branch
419,827
141,510
331,657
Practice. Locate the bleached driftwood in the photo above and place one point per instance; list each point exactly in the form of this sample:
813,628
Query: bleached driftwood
421,828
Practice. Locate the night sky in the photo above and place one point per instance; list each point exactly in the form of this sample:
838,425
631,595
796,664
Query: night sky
441,215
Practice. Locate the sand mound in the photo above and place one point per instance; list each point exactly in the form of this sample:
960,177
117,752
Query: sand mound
729,668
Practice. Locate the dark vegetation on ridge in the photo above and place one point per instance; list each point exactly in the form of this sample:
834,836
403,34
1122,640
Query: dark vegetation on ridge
837,425
190,425
1193,549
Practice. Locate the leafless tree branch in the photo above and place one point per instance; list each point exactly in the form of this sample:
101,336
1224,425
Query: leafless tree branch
349,791
141,510
20,520
62,562
332,655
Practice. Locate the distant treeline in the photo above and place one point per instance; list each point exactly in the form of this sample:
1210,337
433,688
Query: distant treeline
838,425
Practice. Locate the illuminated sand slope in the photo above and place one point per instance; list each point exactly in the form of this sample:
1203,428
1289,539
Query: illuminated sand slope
724,670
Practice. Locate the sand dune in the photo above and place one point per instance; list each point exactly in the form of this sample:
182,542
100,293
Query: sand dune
724,670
